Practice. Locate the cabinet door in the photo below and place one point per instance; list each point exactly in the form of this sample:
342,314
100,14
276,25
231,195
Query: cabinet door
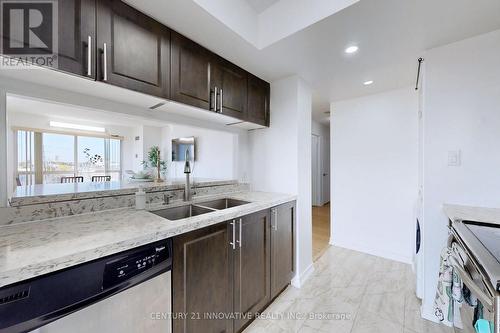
77,43
252,279
258,100
230,82
76,27
282,247
190,68
202,279
133,49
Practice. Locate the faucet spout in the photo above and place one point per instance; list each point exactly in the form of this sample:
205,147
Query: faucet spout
187,171
187,189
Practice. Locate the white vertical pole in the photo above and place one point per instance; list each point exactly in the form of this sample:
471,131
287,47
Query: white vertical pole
3,149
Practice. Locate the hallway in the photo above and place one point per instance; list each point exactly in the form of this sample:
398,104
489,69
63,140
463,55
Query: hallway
320,230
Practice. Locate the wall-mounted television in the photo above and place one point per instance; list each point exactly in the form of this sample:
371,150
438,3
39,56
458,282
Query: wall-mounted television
180,146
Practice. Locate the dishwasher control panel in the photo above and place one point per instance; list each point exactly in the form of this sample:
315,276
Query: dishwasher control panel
119,270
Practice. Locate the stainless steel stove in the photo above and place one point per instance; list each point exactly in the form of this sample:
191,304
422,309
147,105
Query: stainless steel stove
481,273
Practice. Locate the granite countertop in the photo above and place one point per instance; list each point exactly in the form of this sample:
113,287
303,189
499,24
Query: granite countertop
43,193
31,249
470,213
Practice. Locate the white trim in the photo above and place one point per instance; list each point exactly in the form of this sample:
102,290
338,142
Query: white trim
3,150
68,132
428,315
318,196
365,249
299,279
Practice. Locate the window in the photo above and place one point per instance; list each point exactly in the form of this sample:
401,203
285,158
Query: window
62,155
58,155
25,157
91,157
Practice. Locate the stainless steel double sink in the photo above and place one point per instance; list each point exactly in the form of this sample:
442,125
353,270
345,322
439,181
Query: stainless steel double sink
182,212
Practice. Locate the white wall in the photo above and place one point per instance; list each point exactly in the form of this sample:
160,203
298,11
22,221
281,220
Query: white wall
374,173
461,112
323,131
217,152
281,159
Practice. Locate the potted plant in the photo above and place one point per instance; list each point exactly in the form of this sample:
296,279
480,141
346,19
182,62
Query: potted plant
154,161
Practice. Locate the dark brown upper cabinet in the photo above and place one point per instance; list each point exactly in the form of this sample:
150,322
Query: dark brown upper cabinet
77,37
190,73
258,101
133,49
230,83
110,41
202,279
282,247
252,276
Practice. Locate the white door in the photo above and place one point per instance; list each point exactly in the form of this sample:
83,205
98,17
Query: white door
316,170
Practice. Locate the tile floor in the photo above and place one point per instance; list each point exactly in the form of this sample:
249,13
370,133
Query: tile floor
320,230
366,293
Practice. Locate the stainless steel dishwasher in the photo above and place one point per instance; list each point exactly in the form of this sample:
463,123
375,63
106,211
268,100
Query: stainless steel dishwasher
125,292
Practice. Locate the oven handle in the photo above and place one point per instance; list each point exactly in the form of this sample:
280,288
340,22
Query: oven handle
486,300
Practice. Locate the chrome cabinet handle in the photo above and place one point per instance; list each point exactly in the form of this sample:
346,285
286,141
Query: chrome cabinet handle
212,100
105,63
274,221
89,56
239,240
233,243
215,99
220,105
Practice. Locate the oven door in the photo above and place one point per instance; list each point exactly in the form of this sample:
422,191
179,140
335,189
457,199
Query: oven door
473,279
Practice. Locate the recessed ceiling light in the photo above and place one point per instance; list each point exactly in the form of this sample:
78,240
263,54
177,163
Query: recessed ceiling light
367,83
351,49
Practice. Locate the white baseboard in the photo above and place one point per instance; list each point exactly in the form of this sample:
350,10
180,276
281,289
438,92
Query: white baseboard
300,278
375,252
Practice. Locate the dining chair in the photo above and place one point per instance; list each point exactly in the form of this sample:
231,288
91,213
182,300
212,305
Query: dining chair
101,179
77,179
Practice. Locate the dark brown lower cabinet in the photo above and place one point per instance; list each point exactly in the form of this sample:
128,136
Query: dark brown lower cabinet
202,282
282,247
227,269
252,276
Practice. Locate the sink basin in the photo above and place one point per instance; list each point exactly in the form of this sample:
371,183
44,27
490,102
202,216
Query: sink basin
177,213
222,203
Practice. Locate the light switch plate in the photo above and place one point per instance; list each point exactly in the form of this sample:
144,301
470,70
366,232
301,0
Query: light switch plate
454,158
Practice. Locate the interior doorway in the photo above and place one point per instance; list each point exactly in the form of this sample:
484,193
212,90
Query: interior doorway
320,181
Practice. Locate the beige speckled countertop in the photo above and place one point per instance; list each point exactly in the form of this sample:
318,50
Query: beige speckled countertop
31,249
470,213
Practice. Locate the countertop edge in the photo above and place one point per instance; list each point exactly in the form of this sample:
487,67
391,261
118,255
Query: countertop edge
456,212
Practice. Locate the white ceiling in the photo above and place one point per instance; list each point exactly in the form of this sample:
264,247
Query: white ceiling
71,113
261,5
391,35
